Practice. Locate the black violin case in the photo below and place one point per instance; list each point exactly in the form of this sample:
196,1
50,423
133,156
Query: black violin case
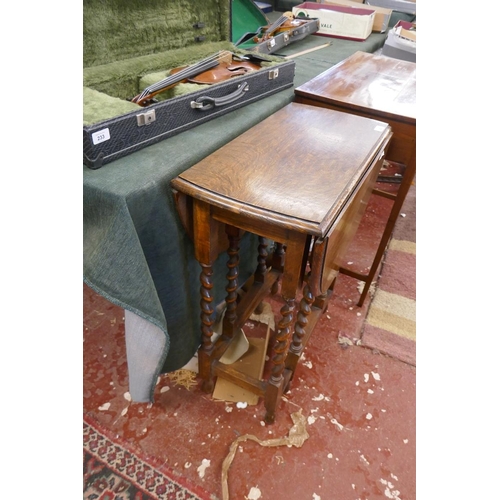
131,45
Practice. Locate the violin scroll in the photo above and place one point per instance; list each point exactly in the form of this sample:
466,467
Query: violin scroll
285,22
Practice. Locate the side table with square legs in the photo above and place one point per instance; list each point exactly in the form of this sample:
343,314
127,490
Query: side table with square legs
301,179
381,88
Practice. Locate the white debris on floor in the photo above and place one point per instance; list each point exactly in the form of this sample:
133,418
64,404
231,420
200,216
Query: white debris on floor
345,341
335,422
201,469
254,493
389,491
319,398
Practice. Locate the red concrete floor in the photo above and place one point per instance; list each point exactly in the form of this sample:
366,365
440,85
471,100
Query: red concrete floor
360,407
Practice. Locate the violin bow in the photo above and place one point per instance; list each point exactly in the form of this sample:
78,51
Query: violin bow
195,69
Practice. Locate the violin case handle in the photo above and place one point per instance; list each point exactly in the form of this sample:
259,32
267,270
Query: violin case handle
204,103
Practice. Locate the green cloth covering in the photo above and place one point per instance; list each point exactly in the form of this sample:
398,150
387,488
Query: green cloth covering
136,253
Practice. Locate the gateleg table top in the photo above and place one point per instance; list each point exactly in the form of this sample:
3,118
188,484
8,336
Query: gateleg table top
297,167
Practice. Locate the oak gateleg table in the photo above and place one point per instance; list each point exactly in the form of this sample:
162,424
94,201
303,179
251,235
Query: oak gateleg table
301,179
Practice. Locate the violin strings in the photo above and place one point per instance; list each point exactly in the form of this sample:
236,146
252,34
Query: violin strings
276,24
205,64
201,66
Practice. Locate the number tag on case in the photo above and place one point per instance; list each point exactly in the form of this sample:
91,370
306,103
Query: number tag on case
100,136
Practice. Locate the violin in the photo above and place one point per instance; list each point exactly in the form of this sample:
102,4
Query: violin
285,22
214,69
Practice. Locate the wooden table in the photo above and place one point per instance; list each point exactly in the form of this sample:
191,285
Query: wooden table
384,89
301,178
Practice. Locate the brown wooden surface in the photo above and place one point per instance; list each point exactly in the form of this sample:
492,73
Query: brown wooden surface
376,87
370,84
329,251
300,164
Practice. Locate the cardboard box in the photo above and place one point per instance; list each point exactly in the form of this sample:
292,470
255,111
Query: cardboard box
382,15
406,6
339,21
401,42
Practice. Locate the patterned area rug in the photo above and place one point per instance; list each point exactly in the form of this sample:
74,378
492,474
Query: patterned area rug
390,325
111,471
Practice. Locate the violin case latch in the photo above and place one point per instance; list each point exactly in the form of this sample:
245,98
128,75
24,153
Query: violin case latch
270,44
146,118
273,74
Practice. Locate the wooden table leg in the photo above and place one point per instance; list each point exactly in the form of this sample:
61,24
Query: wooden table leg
294,257
278,262
275,385
228,324
207,309
301,324
260,272
203,229
407,179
